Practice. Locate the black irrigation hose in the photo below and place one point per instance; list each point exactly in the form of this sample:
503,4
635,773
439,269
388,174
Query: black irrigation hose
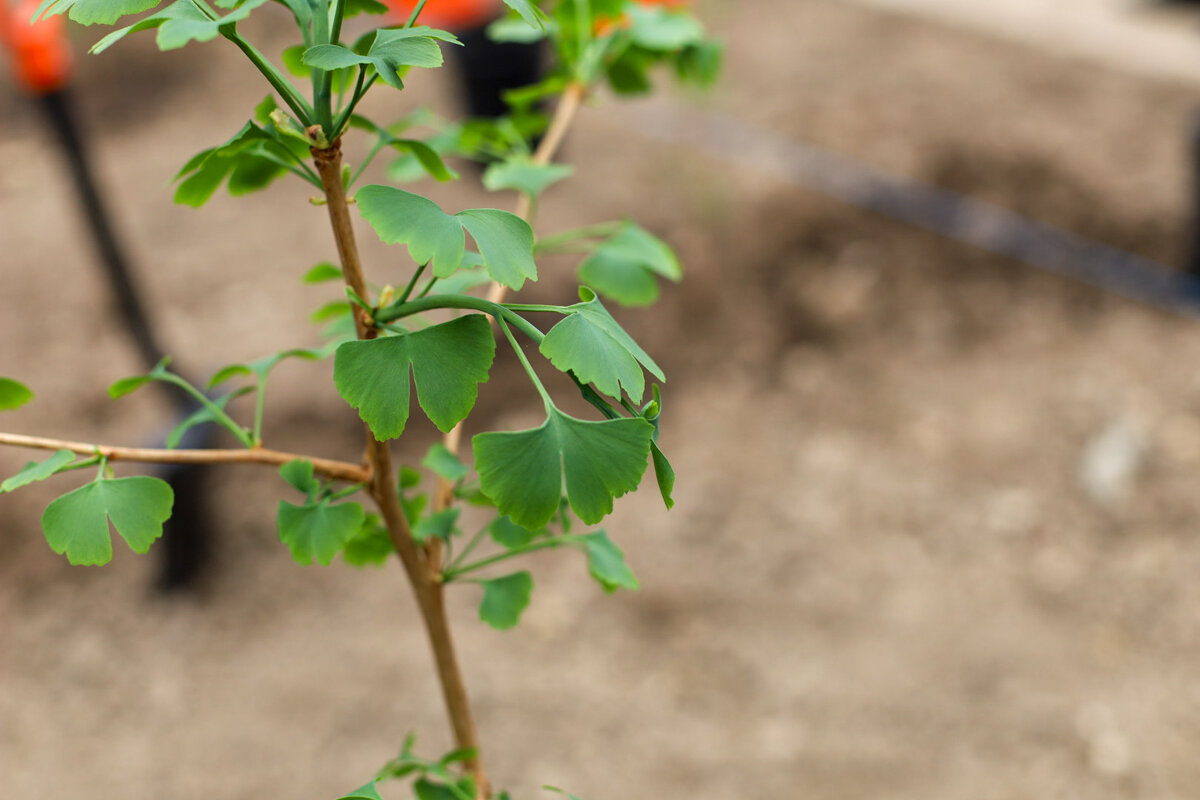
58,110
941,211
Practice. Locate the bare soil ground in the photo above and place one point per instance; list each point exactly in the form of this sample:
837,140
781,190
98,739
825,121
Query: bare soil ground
884,577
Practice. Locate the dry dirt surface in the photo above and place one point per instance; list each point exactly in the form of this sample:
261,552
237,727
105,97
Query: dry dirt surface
936,532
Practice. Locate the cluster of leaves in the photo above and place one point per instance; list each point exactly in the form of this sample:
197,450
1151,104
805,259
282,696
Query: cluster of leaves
433,337
431,780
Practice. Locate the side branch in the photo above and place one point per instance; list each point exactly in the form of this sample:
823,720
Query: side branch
338,470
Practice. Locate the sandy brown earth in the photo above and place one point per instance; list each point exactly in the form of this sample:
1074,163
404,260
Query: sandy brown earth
886,575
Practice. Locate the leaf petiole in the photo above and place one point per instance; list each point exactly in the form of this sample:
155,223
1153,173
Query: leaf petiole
260,403
598,231
404,309
80,464
537,383
277,79
360,90
218,413
536,307
428,288
349,490
453,573
471,545
412,283
416,12
375,148
296,167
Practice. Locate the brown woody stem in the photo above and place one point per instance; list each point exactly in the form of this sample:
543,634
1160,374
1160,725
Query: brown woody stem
338,470
419,564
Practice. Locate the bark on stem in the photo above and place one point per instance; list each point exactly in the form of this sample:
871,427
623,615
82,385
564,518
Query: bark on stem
339,470
422,570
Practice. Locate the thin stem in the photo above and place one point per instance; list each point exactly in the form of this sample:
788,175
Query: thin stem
218,413
337,470
335,22
349,490
537,382
428,287
597,231
260,404
422,574
81,464
416,12
298,168
535,307
542,544
471,545
360,90
374,151
412,283
278,81
322,79
296,164
399,310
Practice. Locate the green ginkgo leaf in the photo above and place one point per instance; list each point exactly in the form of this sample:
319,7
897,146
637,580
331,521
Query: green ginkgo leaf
179,23
390,50
432,235
524,472
447,362
444,463
505,240
77,523
510,535
38,471
318,531
250,159
626,266
533,16
522,174
504,599
662,29
13,394
439,525
590,343
370,546
301,474
506,243
92,12
606,563
664,474
365,792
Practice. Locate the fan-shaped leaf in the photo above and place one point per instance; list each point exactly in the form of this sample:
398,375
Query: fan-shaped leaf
504,599
590,343
524,472
13,394
447,361
77,523
318,531
38,471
